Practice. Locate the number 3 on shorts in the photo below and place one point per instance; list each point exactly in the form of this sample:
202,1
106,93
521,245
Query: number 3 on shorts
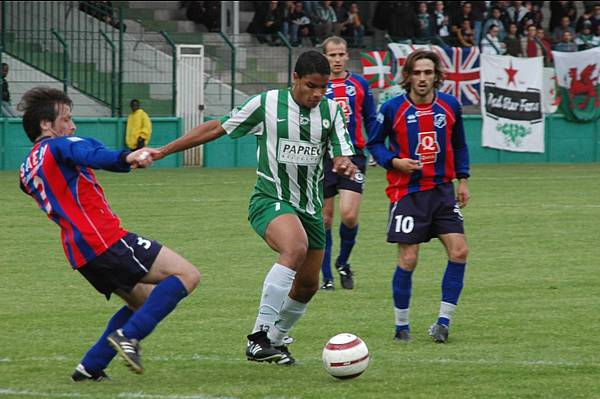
404,224
142,242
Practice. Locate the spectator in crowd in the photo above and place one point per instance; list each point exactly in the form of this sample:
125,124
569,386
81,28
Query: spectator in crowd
441,22
584,18
530,44
560,9
6,108
513,41
271,23
300,25
465,36
465,14
478,12
530,17
101,10
491,43
494,19
341,14
326,21
426,24
402,24
207,13
546,46
139,127
516,12
595,17
566,44
585,40
355,29
565,25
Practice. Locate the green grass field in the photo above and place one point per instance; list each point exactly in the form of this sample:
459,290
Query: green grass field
527,325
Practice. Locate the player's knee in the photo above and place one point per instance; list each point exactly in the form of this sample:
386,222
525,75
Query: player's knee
327,222
408,261
294,254
350,220
459,253
190,278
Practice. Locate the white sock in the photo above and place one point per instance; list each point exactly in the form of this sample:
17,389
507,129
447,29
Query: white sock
276,287
290,313
401,316
447,310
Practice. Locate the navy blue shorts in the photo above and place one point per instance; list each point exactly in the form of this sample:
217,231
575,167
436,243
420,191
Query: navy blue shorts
334,182
122,265
421,216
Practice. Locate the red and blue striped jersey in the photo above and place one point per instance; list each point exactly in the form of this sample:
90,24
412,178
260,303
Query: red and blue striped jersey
431,133
57,174
356,99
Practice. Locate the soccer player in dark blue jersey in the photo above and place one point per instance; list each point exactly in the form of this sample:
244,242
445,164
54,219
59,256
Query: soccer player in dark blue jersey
354,95
426,151
57,173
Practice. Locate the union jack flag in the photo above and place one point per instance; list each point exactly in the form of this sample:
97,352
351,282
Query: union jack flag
461,76
460,64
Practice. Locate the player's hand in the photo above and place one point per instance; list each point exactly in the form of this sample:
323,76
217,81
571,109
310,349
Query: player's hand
462,193
141,158
344,166
406,165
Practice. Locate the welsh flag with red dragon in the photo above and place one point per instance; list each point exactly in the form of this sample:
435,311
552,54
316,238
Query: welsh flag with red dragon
578,76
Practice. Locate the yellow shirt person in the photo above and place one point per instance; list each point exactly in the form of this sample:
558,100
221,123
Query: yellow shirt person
139,127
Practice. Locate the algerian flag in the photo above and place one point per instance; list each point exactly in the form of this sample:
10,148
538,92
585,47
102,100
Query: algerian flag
579,86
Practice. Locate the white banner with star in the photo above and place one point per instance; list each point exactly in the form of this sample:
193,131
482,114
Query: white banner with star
511,103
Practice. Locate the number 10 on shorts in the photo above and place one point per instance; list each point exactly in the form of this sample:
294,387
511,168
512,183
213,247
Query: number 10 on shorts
404,224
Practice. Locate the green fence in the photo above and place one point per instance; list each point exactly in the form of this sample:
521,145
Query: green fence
14,143
565,141
85,46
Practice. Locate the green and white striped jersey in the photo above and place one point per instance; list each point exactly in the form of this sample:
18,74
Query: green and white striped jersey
291,143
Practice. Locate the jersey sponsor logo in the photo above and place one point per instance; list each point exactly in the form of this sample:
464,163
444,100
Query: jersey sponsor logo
345,104
439,120
298,152
428,147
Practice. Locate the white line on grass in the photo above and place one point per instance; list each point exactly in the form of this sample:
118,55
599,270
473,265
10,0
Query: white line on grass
125,395
220,359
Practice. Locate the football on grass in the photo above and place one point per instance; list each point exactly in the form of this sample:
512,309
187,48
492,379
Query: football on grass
345,356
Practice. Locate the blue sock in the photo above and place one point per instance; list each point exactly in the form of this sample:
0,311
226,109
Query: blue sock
402,290
163,299
348,239
326,265
452,284
99,356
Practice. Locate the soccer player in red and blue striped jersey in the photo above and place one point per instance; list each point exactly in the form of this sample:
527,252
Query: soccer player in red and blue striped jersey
426,151
353,94
57,174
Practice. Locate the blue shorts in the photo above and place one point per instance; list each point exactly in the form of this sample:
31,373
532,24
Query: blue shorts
122,265
334,182
421,216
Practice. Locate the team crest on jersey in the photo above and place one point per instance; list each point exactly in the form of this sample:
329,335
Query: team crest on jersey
428,147
351,91
345,104
380,118
326,124
439,120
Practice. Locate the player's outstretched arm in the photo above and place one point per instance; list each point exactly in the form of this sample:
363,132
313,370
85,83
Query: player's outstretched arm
201,134
141,158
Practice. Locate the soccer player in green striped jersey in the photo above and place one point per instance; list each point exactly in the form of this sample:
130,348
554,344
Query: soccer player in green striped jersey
294,129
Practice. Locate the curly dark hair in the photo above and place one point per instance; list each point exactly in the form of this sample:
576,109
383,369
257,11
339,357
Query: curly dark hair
410,64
